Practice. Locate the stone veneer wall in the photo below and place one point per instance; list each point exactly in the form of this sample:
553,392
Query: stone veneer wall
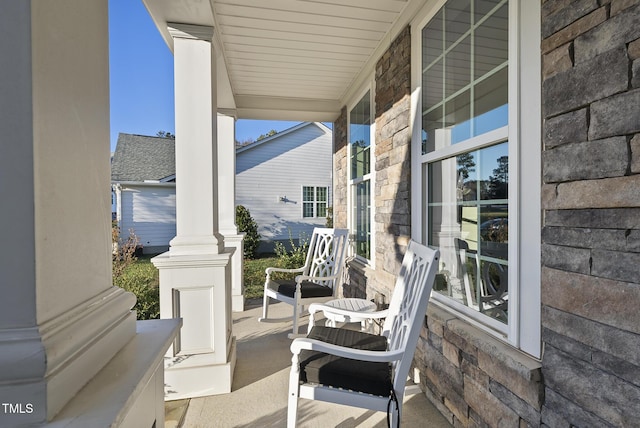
340,171
591,202
391,216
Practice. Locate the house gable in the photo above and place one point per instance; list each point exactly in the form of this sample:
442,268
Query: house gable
271,173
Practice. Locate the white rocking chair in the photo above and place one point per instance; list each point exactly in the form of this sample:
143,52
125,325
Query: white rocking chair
318,279
360,369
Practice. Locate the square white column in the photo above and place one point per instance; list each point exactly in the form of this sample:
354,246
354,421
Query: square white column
227,205
195,275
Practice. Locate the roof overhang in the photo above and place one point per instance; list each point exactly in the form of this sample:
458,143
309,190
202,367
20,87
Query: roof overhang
290,59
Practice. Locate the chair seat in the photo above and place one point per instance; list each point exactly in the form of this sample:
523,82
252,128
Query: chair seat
309,289
363,376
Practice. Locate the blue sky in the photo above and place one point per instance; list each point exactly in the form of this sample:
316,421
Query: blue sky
141,74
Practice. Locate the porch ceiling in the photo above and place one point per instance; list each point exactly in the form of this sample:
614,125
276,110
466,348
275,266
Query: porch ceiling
289,59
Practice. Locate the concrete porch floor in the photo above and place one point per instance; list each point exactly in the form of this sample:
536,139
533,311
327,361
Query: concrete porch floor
260,385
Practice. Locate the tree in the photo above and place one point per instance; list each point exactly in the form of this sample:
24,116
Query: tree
268,134
466,164
498,182
165,134
244,143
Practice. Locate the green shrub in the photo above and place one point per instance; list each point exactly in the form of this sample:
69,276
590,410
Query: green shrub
296,256
329,222
248,225
141,278
138,276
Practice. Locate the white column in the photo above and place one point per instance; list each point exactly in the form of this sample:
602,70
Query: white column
227,206
61,320
196,138
195,276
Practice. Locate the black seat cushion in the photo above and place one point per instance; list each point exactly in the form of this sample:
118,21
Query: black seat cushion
363,376
309,289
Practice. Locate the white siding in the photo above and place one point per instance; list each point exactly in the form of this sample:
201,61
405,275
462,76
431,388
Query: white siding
280,168
151,212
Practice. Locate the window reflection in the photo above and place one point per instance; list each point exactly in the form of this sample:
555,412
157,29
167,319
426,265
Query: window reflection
360,118
469,222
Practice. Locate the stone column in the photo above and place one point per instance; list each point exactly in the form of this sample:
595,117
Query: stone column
195,280
227,205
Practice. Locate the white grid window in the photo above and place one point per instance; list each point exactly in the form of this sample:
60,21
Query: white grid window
314,201
477,116
360,126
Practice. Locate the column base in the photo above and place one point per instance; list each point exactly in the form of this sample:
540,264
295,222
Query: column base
128,391
46,366
237,303
197,288
191,376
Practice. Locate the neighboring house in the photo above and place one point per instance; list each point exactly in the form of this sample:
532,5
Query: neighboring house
143,184
285,182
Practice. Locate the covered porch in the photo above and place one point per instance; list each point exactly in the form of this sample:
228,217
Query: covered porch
71,352
285,60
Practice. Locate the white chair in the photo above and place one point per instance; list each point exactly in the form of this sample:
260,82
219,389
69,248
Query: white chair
360,369
490,295
318,279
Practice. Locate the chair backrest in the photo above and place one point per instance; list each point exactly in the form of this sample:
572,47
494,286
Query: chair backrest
325,257
408,306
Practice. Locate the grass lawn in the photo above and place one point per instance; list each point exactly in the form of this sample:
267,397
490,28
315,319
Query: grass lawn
254,275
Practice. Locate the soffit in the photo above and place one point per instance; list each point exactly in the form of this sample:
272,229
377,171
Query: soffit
288,59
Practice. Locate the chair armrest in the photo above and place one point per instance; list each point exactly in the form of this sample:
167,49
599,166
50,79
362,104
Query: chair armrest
304,343
270,270
317,307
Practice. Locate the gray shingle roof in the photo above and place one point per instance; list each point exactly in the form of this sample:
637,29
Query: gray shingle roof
140,158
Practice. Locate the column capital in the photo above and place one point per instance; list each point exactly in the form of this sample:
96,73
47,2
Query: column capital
231,112
190,31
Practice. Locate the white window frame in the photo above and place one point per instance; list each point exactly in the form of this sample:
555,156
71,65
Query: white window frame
352,182
524,135
315,201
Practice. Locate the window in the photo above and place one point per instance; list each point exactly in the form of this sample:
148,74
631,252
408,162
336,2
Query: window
314,201
467,141
360,130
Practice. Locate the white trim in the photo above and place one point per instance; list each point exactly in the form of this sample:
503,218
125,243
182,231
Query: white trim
514,171
275,136
487,324
315,201
283,108
474,143
530,180
370,88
